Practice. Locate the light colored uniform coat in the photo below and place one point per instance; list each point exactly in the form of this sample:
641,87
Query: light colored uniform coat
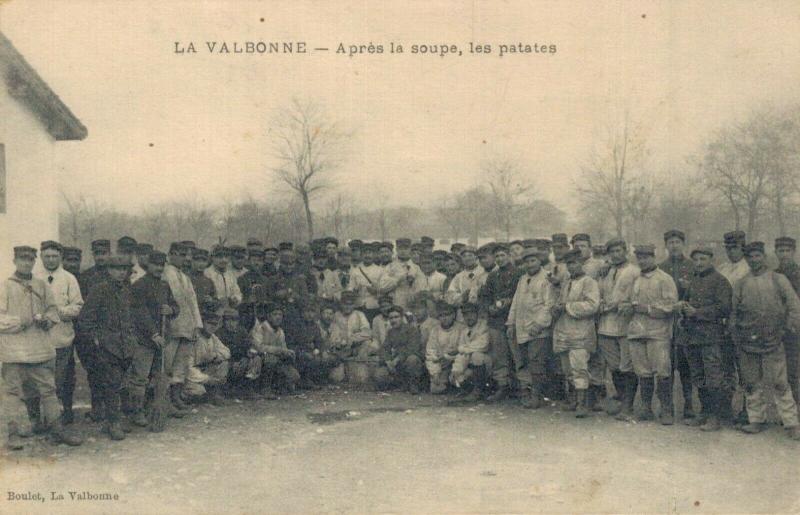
226,284
395,279
188,320
466,282
530,307
20,300
575,328
67,296
364,277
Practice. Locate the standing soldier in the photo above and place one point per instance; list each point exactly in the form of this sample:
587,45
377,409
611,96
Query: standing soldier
464,286
734,269
151,300
486,258
67,296
224,277
612,328
496,296
431,282
107,317
592,266
784,250
705,307
558,269
289,288
530,325
183,329
679,267
574,336
238,256
764,307
400,275
27,312
366,279
204,288
253,286
143,250
653,300
71,260
126,247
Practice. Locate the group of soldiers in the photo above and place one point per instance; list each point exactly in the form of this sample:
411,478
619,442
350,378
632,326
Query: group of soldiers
534,319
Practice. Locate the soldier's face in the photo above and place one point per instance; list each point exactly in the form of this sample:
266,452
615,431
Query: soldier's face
584,247
501,258
447,319
101,256
238,261
734,252
453,267
255,263
72,265
220,262
755,260
347,308
395,319
559,250
403,253
368,257
275,318
617,254
420,312
24,265
426,266
674,246
211,325
469,259
645,260
470,317
176,259
155,269
785,254
199,264
327,315
309,315
142,259
118,273
386,255
287,257
516,251
415,256
575,267
487,261
51,259
270,257
533,265
702,262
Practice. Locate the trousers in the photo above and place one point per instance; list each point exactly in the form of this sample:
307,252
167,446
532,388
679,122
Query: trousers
530,361
177,359
36,378
651,357
760,370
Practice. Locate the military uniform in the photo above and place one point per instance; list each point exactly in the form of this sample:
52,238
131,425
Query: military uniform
791,342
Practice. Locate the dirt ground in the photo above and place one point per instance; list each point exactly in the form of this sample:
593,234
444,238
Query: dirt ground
339,450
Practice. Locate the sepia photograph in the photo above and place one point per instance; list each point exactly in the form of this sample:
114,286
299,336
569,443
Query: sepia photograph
445,256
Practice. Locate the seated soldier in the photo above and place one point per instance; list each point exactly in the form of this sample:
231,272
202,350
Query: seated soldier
473,359
209,369
352,331
401,355
442,348
420,308
245,368
311,357
380,324
277,360
332,353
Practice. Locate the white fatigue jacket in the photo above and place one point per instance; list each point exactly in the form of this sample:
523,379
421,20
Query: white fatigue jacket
476,338
188,320
363,278
263,335
399,278
616,288
734,272
657,291
67,296
558,270
592,267
433,284
466,282
380,327
226,284
529,314
335,282
425,328
352,329
209,349
137,272
575,328
443,343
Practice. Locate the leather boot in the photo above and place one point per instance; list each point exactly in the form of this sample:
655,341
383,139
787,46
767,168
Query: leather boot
478,385
15,441
571,402
712,399
582,399
614,404
138,417
59,434
688,403
500,394
214,395
647,388
628,395
113,414
33,406
95,414
175,396
534,399
666,417
595,397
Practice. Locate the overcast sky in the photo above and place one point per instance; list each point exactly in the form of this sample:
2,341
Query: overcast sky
422,123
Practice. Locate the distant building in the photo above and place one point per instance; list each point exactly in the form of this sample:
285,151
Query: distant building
32,120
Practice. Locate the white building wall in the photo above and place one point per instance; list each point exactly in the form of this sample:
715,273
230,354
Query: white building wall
32,195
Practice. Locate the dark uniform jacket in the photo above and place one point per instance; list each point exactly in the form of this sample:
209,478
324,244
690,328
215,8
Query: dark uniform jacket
681,271
107,316
402,342
792,272
309,338
203,287
148,294
711,295
497,293
238,342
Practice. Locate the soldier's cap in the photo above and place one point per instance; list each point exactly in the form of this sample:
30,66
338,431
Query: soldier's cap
707,251
468,249
486,249
285,246
189,244
543,243
199,253
157,257
126,244
599,250
452,256
24,251
177,247
349,297
50,244
644,250
387,245
369,247
271,307
441,254
616,242
385,299
119,261
331,239
444,308
237,251
220,251
469,307
427,241
754,246
785,241
516,242
396,309
403,242
319,253
560,239
254,242
255,252
572,256
354,244
581,236
344,251
675,233
230,313
532,252
734,238
417,247
144,248
72,253
101,246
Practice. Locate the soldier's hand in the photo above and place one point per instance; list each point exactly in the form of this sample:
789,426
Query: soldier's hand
166,310
159,341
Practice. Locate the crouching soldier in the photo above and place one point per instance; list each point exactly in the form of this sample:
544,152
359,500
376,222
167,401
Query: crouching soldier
107,317
210,363
277,360
652,303
574,336
242,362
27,312
401,355
472,363
442,348
311,357
152,304
764,306
352,330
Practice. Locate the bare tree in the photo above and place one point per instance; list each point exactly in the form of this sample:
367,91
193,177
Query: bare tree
308,150
73,217
507,189
449,211
614,175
